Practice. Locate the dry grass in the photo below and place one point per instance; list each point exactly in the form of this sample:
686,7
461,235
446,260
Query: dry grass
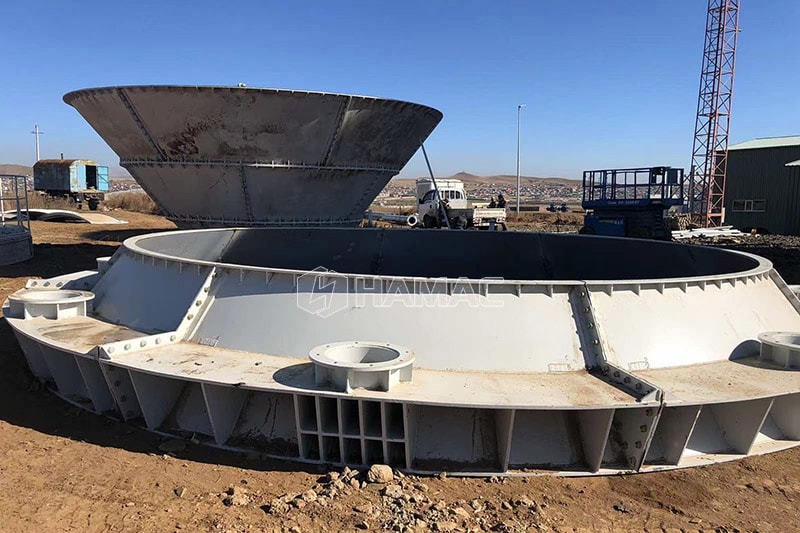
132,201
138,202
43,201
532,217
394,209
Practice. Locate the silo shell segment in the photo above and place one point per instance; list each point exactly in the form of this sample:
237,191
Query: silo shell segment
233,156
429,350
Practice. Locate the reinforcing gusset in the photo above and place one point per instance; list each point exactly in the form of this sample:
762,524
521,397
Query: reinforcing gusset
191,319
593,345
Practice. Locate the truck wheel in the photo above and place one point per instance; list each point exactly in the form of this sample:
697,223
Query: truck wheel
93,203
587,230
459,222
503,226
429,221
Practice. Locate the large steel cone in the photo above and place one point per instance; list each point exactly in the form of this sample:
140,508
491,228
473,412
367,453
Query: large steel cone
235,156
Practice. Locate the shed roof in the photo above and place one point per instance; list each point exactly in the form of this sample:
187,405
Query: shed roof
55,162
767,142
63,162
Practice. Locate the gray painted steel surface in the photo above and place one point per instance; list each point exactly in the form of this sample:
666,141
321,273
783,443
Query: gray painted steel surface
562,354
763,174
232,156
16,245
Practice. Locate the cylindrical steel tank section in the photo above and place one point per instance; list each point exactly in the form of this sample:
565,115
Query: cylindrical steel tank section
565,354
236,156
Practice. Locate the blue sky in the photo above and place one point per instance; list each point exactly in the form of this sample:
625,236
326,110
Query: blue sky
606,84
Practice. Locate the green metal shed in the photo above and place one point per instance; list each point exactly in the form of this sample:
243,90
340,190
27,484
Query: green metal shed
762,187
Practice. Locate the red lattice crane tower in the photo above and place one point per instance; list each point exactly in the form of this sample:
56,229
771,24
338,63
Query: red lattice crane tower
710,148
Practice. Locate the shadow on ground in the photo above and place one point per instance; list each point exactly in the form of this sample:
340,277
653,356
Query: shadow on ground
56,259
27,403
119,235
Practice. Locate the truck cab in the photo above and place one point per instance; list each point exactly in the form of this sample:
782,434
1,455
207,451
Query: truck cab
462,215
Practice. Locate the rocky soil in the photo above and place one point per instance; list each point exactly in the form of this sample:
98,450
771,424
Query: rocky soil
782,250
63,469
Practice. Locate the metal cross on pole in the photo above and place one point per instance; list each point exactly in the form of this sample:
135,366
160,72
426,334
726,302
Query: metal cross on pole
36,131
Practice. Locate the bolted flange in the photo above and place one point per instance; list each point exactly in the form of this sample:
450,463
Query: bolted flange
357,364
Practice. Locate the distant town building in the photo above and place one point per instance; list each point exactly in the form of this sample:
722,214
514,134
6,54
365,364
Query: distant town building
762,187
531,190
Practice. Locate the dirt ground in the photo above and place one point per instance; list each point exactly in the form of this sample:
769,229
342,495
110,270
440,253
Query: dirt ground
62,469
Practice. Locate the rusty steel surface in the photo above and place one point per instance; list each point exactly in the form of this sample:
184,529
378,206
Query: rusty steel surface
221,156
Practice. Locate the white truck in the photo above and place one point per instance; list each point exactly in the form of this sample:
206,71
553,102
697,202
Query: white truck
462,215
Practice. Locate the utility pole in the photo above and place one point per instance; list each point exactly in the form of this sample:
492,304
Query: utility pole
37,132
519,113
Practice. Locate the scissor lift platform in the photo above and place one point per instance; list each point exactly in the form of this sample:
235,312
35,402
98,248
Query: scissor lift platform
630,202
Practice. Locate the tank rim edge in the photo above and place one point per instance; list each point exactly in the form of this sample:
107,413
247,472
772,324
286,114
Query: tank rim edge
763,267
70,96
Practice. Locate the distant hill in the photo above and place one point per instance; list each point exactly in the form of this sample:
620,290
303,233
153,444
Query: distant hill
502,179
18,170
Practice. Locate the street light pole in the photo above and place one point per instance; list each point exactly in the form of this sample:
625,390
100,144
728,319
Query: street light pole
519,113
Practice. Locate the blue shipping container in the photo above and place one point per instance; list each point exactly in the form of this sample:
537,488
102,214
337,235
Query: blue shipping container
69,176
